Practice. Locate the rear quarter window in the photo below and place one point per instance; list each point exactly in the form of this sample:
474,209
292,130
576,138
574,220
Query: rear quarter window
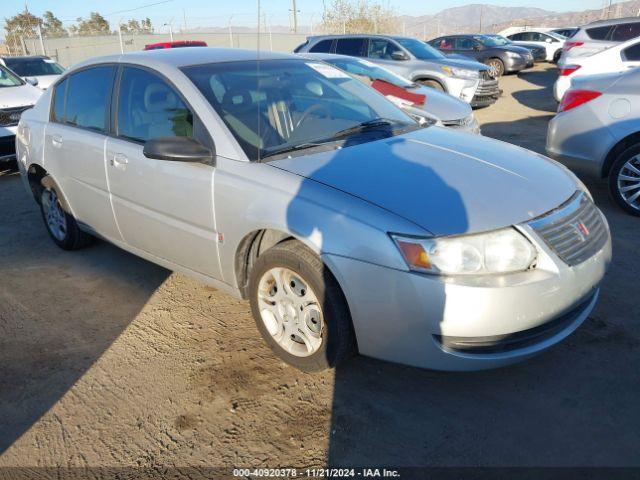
632,53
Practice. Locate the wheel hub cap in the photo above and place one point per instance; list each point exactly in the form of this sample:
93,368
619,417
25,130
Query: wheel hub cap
629,182
290,311
54,214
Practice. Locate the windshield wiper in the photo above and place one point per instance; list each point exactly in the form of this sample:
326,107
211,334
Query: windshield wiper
364,126
290,148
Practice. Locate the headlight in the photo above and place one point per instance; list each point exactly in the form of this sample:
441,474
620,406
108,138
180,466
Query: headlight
501,251
460,72
513,55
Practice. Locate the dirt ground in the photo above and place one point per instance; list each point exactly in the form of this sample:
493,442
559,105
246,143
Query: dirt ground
108,360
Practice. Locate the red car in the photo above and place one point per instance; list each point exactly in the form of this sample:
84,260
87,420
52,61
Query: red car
182,43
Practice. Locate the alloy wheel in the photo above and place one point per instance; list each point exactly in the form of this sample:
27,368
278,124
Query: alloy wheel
54,214
629,182
290,311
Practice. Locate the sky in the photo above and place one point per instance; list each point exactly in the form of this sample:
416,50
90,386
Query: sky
199,13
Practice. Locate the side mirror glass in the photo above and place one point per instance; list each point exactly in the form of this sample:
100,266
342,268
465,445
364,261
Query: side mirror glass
399,56
548,40
178,149
31,81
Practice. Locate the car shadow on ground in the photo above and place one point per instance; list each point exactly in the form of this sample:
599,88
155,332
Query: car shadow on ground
530,133
540,99
50,337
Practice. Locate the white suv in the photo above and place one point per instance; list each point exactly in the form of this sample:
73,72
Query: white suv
552,42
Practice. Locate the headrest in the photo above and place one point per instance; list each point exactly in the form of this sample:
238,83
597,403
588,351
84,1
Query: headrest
236,100
158,97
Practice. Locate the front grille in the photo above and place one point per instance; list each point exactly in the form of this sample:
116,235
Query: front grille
488,87
485,75
11,116
459,123
575,231
7,146
517,340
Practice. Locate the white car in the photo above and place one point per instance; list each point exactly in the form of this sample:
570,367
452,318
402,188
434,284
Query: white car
16,96
552,42
38,70
615,59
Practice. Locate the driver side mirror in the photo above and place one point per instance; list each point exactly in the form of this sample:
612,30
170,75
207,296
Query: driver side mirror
178,149
548,40
477,48
31,81
399,56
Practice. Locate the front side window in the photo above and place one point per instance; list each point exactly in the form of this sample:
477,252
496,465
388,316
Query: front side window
323,46
274,106
88,97
632,53
148,108
353,47
382,49
34,67
625,32
446,43
8,79
59,98
420,50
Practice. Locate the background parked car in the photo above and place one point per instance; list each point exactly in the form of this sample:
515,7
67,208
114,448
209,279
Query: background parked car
38,70
501,58
621,57
176,44
597,133
16,96
409,96
539,53
417,61
597,36
566,32
551,42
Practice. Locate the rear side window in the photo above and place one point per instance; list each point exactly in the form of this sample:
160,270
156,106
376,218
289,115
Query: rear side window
625,32
148,108
88,98
599,33
350,46
59,97
632,53
323,46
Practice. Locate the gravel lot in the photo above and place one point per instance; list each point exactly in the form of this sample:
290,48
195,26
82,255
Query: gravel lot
109,360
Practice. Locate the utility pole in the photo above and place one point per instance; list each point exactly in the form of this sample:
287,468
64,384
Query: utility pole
170,30
120,36
481,8
230,32
295,16
41,40
184,21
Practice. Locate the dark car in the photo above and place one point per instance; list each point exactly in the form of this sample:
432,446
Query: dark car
499,58
539,53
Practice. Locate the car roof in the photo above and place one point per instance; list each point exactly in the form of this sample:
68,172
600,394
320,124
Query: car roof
182,57
23,58
358,35
613,21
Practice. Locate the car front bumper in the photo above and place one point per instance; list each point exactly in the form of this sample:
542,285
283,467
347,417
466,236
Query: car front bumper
487,93
516,64
7,143
422,320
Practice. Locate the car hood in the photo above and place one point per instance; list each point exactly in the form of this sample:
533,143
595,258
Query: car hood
446,182
461,63
20,96
442,105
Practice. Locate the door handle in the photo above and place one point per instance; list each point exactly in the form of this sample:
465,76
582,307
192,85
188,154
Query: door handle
56,140
119,161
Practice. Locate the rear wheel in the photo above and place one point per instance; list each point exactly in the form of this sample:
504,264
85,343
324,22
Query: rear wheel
556,56
299,308
496,67
432,84
62,227
624,180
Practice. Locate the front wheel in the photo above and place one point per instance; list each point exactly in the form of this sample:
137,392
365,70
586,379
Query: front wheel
299,308
624,180
62,227
496,67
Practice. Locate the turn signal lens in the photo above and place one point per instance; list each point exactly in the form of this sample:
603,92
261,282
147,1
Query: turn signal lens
575,98
414,254
569,45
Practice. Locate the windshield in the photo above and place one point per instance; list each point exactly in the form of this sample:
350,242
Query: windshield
8,79
420,49
364,68
277,105
34,67
492,40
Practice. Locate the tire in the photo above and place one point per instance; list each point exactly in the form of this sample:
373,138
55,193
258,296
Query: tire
432,84
496,67
625,165
556,56
60,224
320,344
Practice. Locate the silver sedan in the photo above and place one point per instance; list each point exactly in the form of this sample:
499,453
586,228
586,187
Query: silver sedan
347,225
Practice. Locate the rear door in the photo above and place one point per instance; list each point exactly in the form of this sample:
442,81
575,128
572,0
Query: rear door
75,141
164,208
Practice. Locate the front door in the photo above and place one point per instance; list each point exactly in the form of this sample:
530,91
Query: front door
74,146
162,207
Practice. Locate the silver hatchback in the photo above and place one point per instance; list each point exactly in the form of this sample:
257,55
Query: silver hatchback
347,225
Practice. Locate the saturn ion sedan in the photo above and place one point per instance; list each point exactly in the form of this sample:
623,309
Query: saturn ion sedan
348,225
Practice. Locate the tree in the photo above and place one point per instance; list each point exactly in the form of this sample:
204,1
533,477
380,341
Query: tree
52,26
361,16
22,25
133,26
96,24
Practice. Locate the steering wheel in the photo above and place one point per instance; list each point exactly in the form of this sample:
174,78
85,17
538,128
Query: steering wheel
312,109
